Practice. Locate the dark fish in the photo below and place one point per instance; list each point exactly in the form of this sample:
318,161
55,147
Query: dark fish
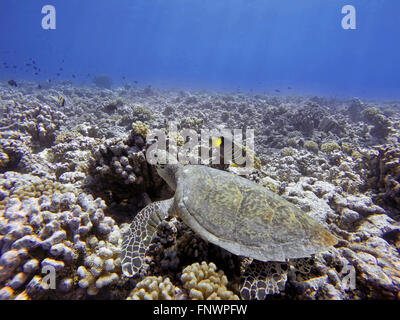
27,64
123,77
14,66
290,88
61,69
12,83
277,90
36,73
33,61
57,74
49,80
135,81
73,76
39,86
61,101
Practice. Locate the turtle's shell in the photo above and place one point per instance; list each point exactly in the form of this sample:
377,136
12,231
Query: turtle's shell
244,217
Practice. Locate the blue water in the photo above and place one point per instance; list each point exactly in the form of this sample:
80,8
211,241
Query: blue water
258,45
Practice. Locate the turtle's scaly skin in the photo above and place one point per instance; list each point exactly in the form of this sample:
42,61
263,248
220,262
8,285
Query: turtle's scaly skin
244,217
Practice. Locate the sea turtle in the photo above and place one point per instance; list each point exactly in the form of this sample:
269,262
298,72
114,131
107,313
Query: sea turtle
236,214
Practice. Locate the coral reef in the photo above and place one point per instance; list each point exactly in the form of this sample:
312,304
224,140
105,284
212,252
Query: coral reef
72,176
63,231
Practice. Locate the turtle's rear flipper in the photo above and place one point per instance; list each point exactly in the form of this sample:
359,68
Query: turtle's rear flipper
302,268
142,230
260,279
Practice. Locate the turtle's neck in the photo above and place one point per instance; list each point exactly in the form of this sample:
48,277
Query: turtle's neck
168,173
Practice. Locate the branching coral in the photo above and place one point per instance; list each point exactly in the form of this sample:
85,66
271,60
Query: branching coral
140,129
142,114
311,146
329,146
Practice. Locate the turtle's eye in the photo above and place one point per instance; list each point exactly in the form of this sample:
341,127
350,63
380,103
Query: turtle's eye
160,165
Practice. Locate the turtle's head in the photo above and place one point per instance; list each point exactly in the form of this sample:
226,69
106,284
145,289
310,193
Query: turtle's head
168,173
167,167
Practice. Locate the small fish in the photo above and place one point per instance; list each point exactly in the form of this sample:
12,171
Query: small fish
57,74
48,80
33,61
61,101
73,76
123,77
14,66
61,69
240,155
36,73
27,64
277,90
39,86
34,67
134,81
290,88
12,83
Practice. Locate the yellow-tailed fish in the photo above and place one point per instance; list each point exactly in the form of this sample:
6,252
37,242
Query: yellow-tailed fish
240,155
61,101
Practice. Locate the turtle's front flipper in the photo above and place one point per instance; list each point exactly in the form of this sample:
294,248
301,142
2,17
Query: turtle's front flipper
260,279
141,231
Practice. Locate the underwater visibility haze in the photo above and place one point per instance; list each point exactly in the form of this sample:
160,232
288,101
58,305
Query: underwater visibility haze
259,45
307,206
